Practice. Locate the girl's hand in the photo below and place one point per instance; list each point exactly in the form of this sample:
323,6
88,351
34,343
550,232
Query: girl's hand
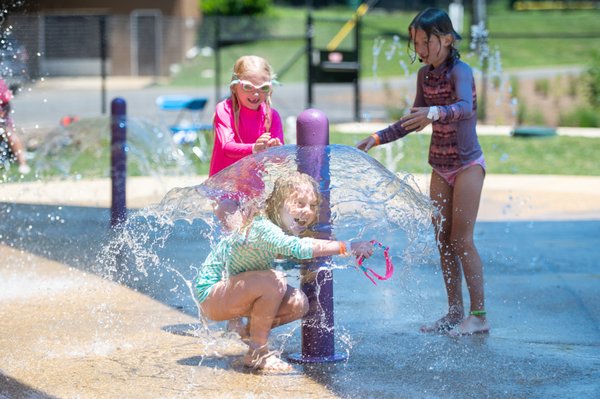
366,144
274,142
417,119
262,142
361,248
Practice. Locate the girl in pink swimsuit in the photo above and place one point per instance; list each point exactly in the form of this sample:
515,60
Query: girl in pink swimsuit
446,98
245,122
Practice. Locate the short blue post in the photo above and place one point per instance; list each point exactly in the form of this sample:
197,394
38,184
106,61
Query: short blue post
318,340
118,168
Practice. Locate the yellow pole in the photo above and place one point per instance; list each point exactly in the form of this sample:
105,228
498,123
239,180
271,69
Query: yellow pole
347,28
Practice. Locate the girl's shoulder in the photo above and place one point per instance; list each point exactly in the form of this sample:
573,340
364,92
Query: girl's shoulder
461,66
224,109
261,222
275,114
262,228
424,69
225,104
461,69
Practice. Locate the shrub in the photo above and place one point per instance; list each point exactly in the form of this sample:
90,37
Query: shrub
235,7
542,87
580,117
514,86
526,116
592,77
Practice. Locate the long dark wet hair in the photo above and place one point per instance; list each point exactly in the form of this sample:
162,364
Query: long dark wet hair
434,22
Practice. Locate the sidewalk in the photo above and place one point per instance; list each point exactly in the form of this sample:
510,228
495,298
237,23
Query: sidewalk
504,197
67,333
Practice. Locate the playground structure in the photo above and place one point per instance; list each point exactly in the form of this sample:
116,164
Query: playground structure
324,66
118,162
318,341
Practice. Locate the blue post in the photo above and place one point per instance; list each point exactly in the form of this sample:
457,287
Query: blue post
118,169
318,341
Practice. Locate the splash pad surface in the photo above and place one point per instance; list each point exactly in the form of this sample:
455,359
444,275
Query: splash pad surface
67,333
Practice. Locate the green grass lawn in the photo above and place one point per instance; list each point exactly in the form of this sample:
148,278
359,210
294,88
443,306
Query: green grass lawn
558,155
552,45
506,155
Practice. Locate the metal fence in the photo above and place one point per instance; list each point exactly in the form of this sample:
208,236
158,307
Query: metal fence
144,43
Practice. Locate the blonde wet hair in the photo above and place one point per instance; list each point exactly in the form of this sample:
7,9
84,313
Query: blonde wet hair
282,190
242,67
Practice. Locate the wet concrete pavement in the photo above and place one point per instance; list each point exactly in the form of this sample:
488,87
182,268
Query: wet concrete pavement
67,333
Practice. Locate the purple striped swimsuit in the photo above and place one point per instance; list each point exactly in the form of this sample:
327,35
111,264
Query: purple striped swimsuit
454,142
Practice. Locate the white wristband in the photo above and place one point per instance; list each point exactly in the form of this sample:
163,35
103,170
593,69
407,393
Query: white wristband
348,247
433,114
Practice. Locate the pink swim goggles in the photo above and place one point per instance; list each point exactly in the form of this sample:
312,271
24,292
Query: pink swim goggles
389,267
251,87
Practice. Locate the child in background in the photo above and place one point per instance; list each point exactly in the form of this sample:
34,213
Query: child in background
446,98
12,147
237,278
246,123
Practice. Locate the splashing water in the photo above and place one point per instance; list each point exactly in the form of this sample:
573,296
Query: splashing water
391,51
377,46
404,67
367,201
82,146
479,41
485,61
362,192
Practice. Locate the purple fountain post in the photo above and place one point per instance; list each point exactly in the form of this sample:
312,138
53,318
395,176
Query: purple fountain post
318,343
118,158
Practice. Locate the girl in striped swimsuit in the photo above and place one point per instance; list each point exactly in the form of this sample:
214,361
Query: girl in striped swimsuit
237,278
446,98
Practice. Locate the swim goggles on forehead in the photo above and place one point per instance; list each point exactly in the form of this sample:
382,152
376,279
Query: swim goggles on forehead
249,86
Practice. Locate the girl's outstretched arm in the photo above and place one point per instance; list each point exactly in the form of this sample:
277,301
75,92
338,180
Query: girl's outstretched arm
285,244
421,116
398,129
329,248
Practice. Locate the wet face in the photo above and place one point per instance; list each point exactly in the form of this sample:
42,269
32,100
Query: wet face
299,211
431,50
253,90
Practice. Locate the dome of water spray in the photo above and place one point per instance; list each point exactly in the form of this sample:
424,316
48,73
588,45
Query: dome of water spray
364,196
167,242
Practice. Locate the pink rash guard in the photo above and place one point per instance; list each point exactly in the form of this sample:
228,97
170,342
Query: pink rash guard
230,146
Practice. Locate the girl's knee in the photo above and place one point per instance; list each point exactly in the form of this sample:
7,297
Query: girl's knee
302,301
272,283
299,304
462,244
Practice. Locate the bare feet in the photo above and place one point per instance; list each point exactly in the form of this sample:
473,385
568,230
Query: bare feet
238,326
266,361
443,325
470,325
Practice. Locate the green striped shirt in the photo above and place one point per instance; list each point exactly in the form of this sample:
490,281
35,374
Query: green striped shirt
252,249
